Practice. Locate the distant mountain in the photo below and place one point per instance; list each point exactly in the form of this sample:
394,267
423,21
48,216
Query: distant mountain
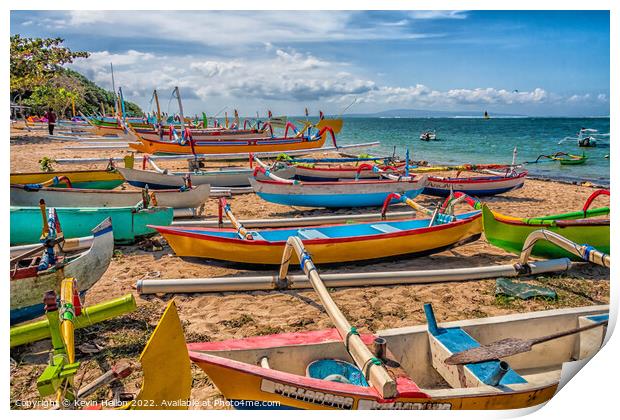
423,113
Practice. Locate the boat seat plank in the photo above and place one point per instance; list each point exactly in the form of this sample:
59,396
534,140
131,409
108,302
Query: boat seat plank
448,341
311,234
256,236
385,228
590,341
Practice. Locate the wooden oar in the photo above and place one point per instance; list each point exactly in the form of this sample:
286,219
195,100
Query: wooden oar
509,346
371,367
241,230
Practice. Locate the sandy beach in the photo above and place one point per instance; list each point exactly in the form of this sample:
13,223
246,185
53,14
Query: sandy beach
212,317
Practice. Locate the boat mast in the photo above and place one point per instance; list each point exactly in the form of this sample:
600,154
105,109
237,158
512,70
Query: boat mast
158,109
114,90
122,100
176,90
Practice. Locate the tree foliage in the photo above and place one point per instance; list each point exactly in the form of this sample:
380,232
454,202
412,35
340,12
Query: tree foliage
40,80
35,61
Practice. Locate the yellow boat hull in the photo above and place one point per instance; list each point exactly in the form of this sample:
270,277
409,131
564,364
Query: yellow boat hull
335,124
244,389
324,251
99,179
228,146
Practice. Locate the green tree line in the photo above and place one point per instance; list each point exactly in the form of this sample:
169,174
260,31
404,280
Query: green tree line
39,80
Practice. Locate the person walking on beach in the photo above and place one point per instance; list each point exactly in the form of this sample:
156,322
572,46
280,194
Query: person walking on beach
51,120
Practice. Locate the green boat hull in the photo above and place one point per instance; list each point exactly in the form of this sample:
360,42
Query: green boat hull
510,234
580,161
128,222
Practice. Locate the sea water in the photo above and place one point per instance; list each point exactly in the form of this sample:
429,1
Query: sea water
476,140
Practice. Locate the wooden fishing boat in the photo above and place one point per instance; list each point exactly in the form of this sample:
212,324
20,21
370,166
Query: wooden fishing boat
213,134
573,159
28,284
235,145
483,185
94,179
586,226
479,186
313,370
347,193
29,195
220,177
333,123
411,368
563,158
129,223
327,243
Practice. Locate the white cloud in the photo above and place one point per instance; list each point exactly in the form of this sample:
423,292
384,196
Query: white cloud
438,14
421,95
233,28
287,76
279,75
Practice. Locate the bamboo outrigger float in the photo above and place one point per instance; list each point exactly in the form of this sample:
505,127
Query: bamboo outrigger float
314,370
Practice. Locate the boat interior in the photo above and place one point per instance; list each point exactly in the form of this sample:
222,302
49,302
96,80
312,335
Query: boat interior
420,352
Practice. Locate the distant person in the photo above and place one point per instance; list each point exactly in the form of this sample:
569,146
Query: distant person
51,120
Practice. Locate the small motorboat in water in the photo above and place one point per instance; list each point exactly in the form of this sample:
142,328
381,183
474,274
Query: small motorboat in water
428,135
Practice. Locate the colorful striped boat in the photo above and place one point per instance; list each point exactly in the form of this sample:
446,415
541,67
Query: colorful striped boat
485,185
327,243
129,223
313,370
28,285
95,179
586,226
234,145
30,195
338,194
200,134
562,157
479,186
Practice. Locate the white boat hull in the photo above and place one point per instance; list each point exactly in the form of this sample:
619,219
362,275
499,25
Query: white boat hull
27,293
223,177
65,197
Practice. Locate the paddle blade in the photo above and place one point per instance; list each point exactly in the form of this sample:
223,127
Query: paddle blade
165,365
493,351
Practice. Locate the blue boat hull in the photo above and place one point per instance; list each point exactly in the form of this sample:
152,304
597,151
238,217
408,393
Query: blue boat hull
333,201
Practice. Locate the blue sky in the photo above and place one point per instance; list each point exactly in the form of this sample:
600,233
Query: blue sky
517,62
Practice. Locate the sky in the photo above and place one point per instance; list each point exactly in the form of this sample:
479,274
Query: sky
537,63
